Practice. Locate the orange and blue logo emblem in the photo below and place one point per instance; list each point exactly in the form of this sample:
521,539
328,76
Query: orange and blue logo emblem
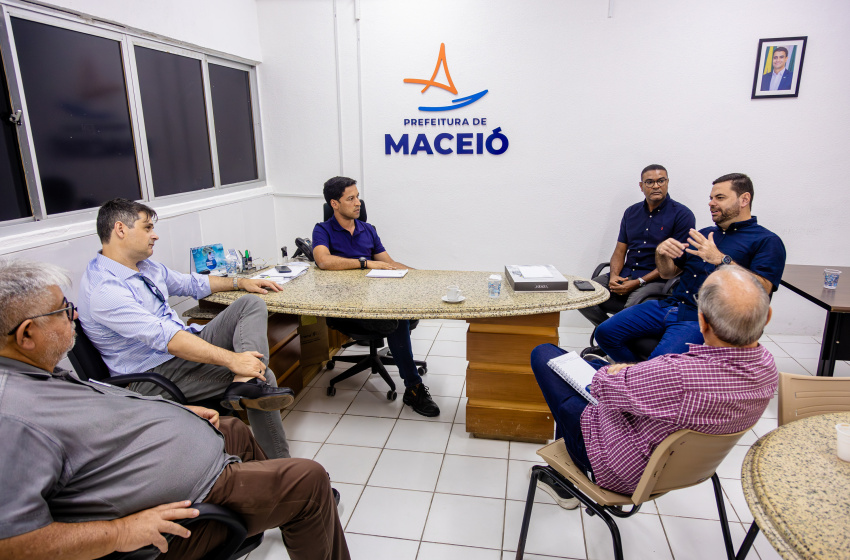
456,103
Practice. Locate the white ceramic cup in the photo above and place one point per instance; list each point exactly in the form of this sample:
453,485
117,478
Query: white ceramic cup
843,441
454,293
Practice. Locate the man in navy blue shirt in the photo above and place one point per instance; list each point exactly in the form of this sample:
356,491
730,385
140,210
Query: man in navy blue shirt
736,238
644,225
343,243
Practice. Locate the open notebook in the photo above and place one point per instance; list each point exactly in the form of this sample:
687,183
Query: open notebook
574,370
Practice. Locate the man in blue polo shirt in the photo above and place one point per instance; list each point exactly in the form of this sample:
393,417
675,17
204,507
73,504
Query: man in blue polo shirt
343,243
736,238
643,227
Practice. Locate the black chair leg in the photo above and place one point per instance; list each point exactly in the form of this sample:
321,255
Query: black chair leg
748,542
526,516
724,520
364,364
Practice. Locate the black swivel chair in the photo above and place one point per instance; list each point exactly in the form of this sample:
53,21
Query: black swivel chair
377,358
644,346
89,364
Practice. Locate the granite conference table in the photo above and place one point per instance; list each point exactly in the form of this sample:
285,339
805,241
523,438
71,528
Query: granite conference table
504,400
807,281
799,490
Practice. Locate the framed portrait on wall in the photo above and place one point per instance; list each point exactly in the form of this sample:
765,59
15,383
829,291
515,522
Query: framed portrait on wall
779,67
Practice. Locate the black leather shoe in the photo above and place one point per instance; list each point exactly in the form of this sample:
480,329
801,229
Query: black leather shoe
420,400
258,395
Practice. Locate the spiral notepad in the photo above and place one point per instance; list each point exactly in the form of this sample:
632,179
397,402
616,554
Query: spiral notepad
576,372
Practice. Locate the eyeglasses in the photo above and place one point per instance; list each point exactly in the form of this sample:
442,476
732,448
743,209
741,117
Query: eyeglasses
69,309
651,182
152,287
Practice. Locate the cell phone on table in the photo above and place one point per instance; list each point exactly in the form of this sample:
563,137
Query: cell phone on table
583,285
281,268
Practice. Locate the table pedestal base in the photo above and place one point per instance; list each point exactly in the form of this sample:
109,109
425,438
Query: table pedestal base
504,401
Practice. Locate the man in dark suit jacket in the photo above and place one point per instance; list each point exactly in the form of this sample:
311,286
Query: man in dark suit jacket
780,55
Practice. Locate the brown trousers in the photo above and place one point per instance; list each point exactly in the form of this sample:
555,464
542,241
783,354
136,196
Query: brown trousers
293,494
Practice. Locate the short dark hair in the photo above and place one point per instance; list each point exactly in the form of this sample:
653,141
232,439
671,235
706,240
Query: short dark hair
120,210
653,167
740,184
335,187
783,49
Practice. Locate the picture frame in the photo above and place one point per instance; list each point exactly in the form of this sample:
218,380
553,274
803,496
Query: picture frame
769,84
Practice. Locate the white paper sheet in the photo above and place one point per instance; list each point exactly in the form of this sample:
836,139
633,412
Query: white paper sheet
377,273
535,272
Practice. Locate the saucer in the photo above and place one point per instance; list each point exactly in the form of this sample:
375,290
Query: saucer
458,300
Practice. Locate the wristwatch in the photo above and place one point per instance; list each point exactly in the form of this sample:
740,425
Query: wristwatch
725,260
235,282
642,282
362,262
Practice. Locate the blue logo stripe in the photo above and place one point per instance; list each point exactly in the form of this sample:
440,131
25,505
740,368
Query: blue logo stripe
462,102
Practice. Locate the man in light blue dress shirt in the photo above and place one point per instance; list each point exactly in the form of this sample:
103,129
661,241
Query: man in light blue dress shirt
124,311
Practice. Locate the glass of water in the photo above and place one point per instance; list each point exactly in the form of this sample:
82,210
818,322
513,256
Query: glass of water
830,278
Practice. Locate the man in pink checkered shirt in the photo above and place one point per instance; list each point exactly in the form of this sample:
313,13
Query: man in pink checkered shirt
720,387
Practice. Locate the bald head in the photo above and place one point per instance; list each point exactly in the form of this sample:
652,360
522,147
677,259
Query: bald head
735,305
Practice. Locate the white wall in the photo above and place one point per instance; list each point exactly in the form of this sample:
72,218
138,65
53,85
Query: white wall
586,101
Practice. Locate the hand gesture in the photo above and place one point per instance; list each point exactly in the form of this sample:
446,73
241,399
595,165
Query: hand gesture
147,526
258,286
671,248
248,364
206,413
380,265
624,287
704,247
615,279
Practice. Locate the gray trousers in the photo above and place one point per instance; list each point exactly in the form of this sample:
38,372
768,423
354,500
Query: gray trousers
598,314
240,328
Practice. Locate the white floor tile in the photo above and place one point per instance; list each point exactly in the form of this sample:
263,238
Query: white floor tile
463,443
748,439
460,417
448,408
518,480
425,332
801,350
772,410
349,494
376,383
451,348
373,403
446,365
522,451
731,465
584,330
575,340
735,494
303,449
411,435
802,339
421,347
316,400
842,369
436,551
369,547
364,431
309,426
553,531
790,365
389,512
444,385
473,476
454,324
763,547
764,426
699,539
465,520
347,463
774,349
697,501
272,547
810,364
407,470
454,334
642,534
354,383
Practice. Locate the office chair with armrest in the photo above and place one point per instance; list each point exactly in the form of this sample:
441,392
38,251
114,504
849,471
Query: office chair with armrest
644,346
684,458
89,364
237,544
801,396
376,359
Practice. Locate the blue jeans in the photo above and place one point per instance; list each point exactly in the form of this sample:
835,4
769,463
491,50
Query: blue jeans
564,402
646,319
399,344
